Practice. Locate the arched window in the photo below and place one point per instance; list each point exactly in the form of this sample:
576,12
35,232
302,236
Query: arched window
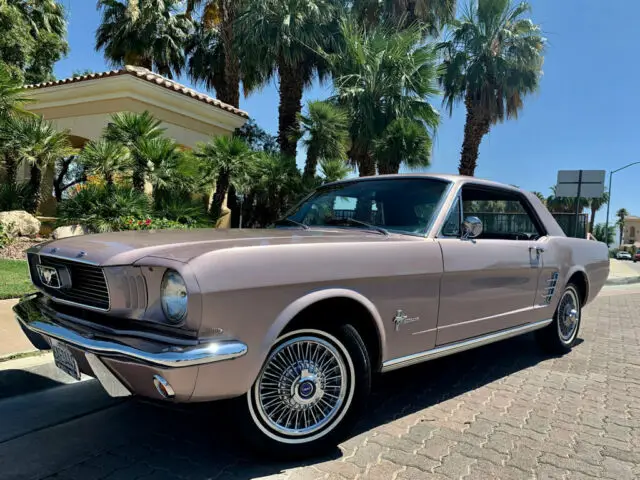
632,232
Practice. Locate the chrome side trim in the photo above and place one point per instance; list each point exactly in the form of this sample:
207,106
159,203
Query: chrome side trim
171,356
490,317
450,349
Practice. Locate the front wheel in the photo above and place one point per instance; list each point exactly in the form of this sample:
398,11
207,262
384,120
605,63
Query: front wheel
308,393
561,334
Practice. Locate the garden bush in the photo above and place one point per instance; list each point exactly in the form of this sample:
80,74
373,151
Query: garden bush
116,208
5,239
16,196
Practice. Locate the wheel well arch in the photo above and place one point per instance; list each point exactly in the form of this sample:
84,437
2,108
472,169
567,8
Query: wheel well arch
327,312
579,279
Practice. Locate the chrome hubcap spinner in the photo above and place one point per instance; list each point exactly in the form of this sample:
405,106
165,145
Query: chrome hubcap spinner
302,386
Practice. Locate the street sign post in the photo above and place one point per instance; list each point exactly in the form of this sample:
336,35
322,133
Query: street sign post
580,184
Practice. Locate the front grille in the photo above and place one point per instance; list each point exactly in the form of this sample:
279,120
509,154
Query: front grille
88,283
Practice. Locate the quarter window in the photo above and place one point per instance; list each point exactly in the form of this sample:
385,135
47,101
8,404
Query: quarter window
505,215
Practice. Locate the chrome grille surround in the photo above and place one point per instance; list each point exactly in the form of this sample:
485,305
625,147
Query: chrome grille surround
88,289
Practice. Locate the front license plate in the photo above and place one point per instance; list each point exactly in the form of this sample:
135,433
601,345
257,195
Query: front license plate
64,360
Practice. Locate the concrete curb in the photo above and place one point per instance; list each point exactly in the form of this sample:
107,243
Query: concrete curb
622,281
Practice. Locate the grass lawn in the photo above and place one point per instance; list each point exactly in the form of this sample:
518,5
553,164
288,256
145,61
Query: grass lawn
14,279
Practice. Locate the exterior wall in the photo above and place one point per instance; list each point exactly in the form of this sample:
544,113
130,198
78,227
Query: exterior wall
631,232
85,109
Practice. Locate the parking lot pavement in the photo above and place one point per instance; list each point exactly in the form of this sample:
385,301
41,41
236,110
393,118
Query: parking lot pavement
502,411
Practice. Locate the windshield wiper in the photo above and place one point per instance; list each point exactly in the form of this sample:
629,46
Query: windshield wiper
291,221
353,221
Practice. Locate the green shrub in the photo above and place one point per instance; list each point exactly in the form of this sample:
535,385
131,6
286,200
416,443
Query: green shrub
131,223
16,196
181,208
103,209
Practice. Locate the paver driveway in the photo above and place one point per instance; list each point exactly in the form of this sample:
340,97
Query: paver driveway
503,411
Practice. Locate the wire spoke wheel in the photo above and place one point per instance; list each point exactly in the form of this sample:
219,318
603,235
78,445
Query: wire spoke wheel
568,315
302,387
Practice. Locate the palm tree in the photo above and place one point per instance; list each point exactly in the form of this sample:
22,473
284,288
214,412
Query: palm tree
165,161
130,130
621,214
146,33
433,14
325,135
41,145
596,204
333,170
381,75
218,17
105,158
492,60
279,37
227,159
404,141
12,97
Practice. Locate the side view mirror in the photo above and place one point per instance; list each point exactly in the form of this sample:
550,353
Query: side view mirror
471,228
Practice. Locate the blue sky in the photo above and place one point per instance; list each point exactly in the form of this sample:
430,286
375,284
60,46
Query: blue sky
583,117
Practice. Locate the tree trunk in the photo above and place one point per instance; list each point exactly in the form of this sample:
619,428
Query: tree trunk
234,205
222,186
137,178
476,127
35,181
291,86
310,166
10,169
366,165
231,62
592,220
388,168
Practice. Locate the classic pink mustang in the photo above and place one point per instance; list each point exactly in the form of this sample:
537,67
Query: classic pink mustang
364,275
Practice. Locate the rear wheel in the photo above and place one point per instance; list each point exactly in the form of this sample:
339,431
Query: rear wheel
561,334
308,393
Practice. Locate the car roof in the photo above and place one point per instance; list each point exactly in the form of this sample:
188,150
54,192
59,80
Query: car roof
434,176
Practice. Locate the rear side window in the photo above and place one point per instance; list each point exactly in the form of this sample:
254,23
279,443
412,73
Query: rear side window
505,215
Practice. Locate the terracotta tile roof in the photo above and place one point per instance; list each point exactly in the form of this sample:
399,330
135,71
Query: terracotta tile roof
150,77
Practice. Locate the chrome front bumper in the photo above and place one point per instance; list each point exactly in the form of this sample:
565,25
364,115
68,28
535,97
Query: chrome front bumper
34,319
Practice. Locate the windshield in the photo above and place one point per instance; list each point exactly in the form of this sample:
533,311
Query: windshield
404,206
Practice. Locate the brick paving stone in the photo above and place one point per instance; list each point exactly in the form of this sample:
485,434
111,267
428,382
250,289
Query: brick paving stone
506,411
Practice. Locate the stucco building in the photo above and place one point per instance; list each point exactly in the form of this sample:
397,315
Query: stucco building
631,231
84,105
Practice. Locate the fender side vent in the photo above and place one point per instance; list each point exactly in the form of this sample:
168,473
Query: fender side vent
550,289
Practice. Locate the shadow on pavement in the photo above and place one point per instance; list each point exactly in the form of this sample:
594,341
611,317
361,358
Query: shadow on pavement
20,382
201,441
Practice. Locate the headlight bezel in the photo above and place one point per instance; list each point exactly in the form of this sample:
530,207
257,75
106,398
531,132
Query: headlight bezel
171,279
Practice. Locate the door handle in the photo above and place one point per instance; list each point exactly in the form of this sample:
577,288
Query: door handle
538,250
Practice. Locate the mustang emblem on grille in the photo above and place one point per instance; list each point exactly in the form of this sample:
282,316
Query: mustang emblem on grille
54,277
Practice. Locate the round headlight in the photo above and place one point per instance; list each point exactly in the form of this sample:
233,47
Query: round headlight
174,296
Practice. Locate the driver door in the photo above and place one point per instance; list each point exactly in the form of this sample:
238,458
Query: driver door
489,283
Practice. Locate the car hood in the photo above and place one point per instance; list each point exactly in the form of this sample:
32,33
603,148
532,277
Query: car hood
125,248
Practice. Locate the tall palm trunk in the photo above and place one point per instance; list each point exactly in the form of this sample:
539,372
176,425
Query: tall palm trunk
137,177
10,169
291,86
592,219
387,168
231,62
475,127
310,165
35,181
222,187
366,165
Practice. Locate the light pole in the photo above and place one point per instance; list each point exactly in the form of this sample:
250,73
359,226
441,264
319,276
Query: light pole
606,225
